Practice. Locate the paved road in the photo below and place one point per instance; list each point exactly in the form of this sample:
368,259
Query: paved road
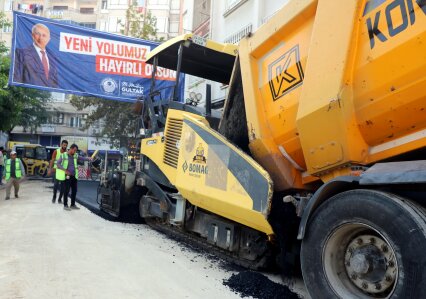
47,252
87,197
86,194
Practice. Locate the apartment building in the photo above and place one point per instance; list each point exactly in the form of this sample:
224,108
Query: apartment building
225,21
169,17
234,19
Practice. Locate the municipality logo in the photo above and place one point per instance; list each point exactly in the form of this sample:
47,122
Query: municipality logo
109,85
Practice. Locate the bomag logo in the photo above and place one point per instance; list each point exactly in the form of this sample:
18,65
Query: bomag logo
399,15
285,73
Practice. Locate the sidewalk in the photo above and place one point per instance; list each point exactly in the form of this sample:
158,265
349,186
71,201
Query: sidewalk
46,252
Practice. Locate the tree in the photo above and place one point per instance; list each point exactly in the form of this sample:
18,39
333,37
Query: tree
140,24
18,106
120,123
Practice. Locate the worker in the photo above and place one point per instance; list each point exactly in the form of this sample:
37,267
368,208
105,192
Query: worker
52,168
15,171
1,165
69,174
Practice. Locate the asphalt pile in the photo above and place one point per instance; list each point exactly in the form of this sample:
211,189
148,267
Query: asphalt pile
256,285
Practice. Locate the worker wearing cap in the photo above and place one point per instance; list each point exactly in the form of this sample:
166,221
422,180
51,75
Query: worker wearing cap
15,171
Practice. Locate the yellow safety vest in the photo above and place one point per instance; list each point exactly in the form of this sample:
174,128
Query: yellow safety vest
58,155
60,174
18,172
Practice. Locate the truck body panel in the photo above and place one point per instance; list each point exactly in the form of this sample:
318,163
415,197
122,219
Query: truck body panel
322,84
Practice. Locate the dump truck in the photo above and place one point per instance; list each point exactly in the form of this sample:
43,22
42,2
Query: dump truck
318,155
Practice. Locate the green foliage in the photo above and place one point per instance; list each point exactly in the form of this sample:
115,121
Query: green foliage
4,22
18,106
141,25
119,120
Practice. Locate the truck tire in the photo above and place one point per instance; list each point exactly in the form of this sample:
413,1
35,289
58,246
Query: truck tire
365,244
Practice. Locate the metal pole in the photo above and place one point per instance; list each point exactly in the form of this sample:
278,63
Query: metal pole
154,70
208,99
106,161
179,64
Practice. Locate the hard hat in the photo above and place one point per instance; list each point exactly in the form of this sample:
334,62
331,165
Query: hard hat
13,153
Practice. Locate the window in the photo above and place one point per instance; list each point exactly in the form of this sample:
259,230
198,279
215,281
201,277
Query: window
87,10
174,23
58,118
75,122
161,24
103,26
88,25
104,4
7,29
41,153
19,151
8,5
60,8
29,153
116,24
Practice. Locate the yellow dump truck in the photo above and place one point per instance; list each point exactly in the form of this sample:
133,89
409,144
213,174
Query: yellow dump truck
318,154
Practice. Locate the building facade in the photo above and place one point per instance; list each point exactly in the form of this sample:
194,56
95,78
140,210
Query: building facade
197,20
226,21
169,17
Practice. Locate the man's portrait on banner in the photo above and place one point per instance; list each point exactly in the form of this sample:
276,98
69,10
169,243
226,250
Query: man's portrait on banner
35,64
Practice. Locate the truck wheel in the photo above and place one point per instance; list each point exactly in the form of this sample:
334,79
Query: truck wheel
365,244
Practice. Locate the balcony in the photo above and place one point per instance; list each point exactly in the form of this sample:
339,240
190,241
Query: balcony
87,15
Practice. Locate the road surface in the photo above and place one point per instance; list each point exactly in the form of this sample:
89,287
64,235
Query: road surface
47,252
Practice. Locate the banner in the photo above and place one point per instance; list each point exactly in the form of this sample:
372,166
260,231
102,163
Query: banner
60,57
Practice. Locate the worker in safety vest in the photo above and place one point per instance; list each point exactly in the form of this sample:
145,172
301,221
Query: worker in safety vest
52,168
68,174
1,164
15,171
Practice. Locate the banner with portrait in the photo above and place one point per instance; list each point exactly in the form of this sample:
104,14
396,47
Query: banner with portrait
60,57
